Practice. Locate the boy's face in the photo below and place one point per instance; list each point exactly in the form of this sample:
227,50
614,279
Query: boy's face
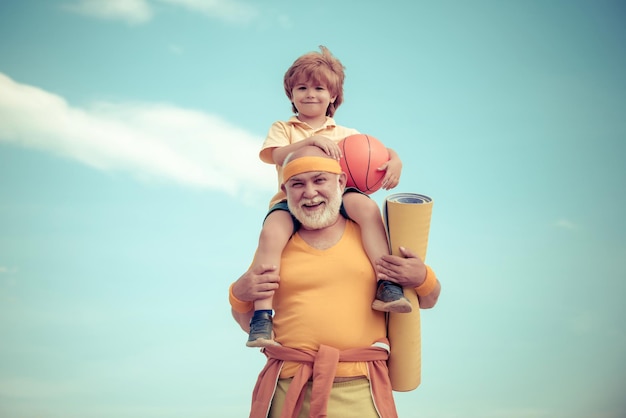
311,99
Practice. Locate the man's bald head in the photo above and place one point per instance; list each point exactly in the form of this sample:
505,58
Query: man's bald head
307,151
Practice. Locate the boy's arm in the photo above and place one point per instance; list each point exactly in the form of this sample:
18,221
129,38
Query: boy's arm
324,143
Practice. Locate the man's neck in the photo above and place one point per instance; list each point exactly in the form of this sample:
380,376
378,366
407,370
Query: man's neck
324,238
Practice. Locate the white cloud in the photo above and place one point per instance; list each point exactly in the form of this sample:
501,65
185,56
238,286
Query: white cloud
131,11
227,10
151,141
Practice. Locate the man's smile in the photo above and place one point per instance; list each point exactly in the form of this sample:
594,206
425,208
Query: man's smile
312,205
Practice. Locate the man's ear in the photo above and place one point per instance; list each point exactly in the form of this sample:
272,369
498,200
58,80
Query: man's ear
283,188
343,179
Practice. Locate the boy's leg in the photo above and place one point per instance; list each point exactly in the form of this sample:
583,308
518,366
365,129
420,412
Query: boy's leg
277,229
365,212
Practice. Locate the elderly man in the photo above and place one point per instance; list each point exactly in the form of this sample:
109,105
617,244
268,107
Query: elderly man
333,347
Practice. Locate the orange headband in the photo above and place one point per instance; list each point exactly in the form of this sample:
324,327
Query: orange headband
306,164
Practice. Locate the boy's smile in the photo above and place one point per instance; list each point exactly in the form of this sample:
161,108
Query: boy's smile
312,101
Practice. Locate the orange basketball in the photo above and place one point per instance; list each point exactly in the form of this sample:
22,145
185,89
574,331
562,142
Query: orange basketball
361,156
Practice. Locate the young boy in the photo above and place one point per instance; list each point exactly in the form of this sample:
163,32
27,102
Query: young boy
314,85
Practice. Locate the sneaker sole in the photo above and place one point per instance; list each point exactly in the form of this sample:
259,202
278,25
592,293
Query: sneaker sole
396,306
261,342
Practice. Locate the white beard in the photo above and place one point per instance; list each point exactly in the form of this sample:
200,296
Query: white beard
321,218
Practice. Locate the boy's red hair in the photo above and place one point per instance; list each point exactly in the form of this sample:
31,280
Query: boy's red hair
319,68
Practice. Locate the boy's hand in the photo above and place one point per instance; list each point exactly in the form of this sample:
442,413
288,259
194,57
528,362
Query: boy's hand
394,169
327,145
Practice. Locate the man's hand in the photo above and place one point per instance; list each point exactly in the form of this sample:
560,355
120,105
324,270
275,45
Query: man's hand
258,283
407,271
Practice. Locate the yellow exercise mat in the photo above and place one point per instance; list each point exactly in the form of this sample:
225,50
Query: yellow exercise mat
407,219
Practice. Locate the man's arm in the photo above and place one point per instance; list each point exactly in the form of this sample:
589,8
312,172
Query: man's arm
430,300
243,319
410,271
259,283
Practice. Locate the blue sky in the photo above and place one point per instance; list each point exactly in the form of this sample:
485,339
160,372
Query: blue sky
131,195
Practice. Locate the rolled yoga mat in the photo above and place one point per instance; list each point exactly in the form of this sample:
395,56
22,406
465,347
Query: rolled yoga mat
407,219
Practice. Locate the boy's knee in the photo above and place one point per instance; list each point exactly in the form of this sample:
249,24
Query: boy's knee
361,206
277,225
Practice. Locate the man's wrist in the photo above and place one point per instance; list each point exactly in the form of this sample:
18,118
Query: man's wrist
429,284
238,305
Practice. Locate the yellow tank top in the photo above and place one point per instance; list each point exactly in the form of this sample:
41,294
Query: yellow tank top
325,297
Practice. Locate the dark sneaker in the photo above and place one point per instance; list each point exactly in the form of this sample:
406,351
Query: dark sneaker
261,331
390,298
